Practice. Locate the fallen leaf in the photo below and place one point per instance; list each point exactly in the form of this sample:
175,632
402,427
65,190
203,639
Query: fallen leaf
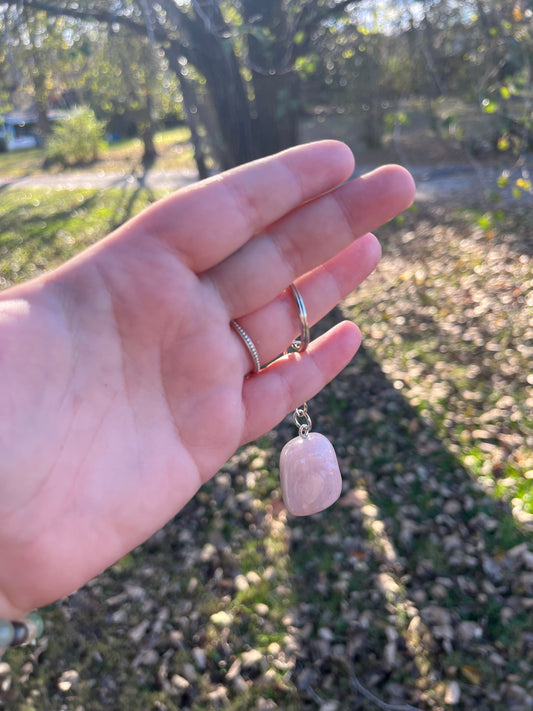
472,674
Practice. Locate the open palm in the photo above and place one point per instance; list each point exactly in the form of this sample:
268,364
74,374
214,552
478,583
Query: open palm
122,380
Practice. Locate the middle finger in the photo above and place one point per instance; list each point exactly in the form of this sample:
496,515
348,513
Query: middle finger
253,275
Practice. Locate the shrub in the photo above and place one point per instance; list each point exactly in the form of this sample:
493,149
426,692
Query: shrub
77,139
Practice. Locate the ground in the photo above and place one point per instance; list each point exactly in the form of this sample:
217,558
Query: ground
417,586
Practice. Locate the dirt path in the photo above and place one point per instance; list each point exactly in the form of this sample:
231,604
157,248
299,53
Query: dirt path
171,180
434,183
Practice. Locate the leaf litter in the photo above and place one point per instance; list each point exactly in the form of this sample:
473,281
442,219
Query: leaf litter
417,587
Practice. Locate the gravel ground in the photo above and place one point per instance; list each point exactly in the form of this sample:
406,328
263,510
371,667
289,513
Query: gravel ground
416,587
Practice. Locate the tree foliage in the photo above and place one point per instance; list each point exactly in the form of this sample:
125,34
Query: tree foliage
37,58
244,54
125,79
479,53
77,139
246,69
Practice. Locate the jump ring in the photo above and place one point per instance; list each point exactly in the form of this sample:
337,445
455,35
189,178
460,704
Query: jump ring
304,427
249,345
301,343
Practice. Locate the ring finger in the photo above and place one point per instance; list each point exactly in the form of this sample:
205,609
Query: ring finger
275,325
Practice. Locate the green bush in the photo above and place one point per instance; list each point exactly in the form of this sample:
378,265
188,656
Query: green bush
76,140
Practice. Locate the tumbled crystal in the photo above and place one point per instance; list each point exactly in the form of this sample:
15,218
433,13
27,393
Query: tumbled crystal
310,476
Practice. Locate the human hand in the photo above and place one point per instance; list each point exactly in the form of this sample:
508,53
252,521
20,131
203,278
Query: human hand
122,380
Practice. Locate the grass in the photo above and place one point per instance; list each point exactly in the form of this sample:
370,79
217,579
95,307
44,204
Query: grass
173,148
57,225
19,163
172,145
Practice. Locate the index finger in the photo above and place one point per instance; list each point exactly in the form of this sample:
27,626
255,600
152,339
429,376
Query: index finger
208,221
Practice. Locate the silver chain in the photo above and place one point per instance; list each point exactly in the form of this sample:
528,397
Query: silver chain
301,414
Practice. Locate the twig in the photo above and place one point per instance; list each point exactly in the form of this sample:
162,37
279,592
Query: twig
312,693
356,684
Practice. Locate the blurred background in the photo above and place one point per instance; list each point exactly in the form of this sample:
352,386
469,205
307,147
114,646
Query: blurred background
416,589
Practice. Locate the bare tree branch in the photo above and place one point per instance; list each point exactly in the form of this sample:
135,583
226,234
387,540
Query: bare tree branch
98,14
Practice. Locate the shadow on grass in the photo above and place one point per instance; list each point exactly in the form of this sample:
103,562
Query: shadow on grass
406,585
131,193
40,229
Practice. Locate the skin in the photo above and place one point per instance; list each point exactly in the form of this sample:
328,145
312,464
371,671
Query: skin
123,384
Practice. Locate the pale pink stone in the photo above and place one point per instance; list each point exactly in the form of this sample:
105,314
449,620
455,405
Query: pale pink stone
310,476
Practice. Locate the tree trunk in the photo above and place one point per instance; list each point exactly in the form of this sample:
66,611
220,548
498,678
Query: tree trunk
230,102
191,113
276,105
374,124
210,49
232,111
147,134
38,81
276,86
41,102
190,106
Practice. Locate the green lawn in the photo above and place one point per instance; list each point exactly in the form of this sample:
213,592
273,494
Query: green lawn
172,145
41,228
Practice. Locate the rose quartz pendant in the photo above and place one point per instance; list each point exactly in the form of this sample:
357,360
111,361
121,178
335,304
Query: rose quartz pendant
310,475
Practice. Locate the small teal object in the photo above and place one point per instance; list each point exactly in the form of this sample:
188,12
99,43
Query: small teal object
38,622
7,633
19,633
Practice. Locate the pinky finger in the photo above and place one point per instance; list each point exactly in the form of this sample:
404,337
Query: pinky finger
291,380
